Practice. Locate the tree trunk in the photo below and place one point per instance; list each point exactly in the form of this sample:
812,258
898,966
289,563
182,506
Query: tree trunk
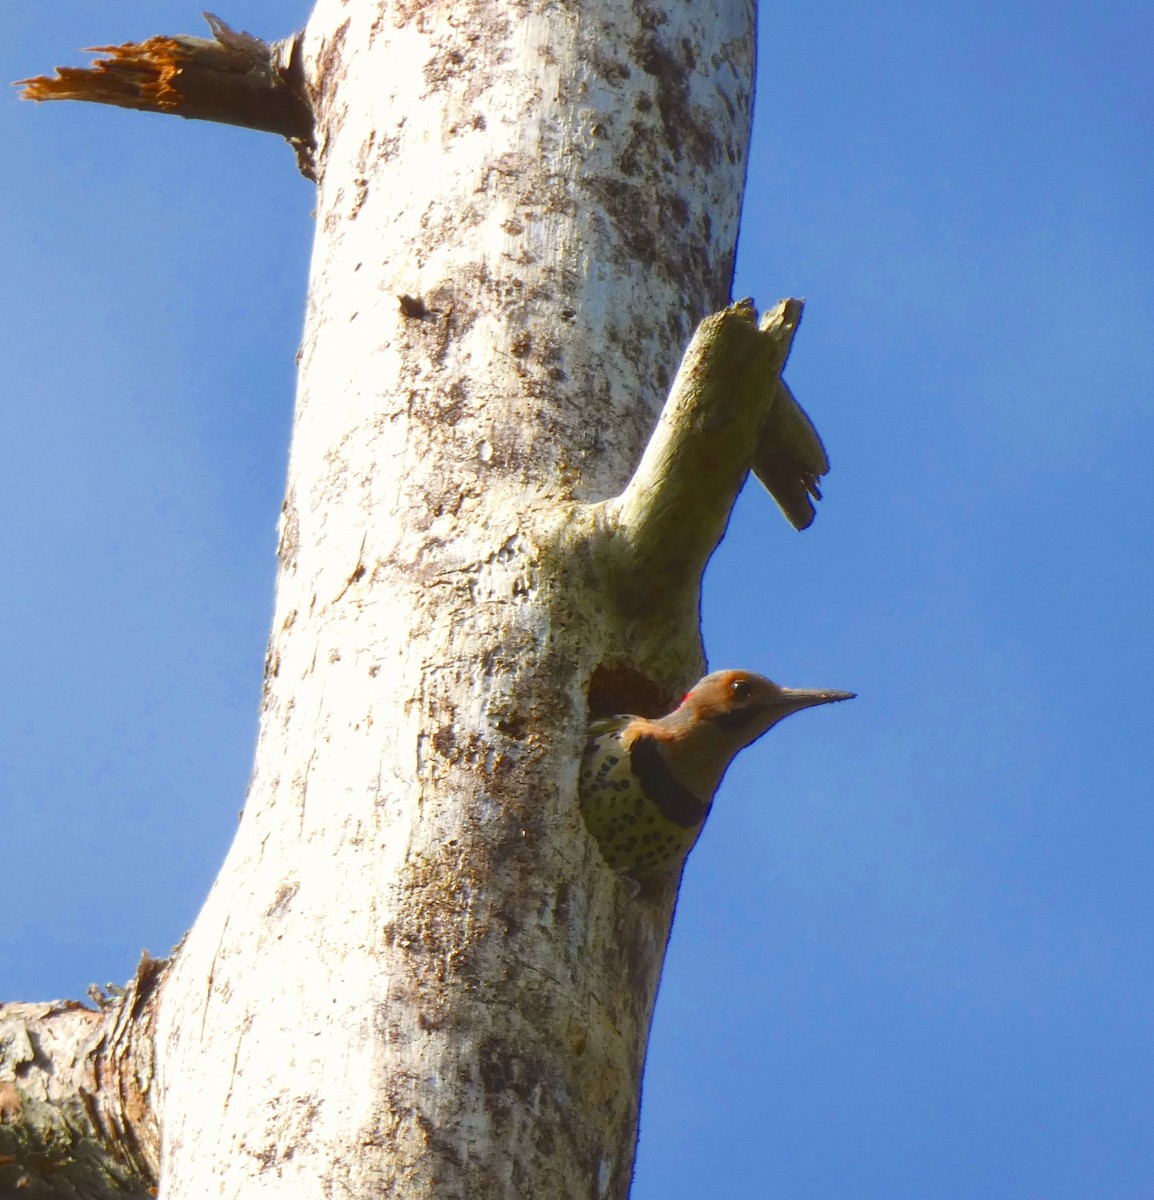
415,976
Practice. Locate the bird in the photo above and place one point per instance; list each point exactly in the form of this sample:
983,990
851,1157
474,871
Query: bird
646,786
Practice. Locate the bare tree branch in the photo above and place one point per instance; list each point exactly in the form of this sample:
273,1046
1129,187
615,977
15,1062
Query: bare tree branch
232,78
675,509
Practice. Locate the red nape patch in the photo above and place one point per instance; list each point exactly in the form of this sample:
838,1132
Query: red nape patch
615,689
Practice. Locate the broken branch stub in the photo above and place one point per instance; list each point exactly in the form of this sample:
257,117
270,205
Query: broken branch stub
232,78
674,511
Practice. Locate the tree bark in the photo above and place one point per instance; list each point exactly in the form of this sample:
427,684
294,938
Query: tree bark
77,1117
415,975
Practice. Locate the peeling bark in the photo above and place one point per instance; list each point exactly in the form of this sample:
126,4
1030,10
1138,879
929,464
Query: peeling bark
76,1113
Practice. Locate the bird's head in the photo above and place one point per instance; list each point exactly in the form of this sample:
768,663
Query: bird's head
745,705
723,713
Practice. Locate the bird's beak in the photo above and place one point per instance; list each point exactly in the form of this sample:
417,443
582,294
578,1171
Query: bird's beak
795,699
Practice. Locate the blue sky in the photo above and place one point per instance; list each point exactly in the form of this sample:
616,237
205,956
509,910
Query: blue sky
914,954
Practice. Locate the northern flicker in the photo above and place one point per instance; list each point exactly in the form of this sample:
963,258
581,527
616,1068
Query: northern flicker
646,786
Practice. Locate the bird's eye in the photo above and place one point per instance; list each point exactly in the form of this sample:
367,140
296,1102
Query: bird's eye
740,689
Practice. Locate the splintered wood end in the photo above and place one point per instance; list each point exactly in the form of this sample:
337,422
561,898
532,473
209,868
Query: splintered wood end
231,78
137,75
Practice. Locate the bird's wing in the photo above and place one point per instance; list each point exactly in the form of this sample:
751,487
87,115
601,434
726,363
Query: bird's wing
626,728
605,725
789,458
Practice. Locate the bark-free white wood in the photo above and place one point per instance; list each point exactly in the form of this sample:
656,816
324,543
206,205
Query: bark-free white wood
415,975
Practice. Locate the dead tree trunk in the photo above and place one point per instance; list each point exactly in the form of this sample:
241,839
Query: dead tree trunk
415,976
